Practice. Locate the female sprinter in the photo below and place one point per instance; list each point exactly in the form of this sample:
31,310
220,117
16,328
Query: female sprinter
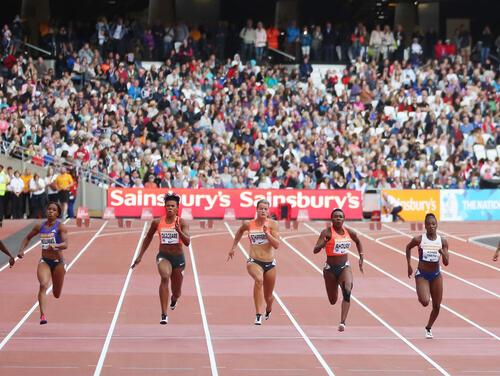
428,276
337,241
264,239
173,232
54,239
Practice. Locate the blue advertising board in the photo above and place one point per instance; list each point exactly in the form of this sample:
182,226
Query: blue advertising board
470,204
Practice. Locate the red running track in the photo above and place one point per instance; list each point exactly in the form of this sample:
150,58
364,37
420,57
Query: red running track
108,317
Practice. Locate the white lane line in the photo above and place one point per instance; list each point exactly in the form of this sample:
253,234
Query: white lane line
32,309
242,337
451,236
105,347
452,252
208,338
291,318
389,237
27,251
444,306
370,312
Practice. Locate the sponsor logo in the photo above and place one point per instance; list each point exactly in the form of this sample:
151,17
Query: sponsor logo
213,203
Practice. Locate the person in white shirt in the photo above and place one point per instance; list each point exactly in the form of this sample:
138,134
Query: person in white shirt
247,35
38,196
16,186
393,206
260,41
50,183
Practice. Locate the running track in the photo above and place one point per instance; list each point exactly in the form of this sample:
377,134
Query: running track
107,320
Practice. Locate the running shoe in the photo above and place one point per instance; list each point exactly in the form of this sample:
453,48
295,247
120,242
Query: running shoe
258,319
43,320
173,304
341,327
268,313
164,319
428,333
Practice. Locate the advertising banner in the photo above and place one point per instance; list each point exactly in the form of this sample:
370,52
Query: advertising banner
416,203
215,203
470,205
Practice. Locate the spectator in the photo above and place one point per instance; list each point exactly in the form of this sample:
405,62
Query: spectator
260,42
16,186
64,182
392,206
248,39
38,196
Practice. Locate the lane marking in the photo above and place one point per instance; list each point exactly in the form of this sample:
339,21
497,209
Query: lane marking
208,339
32,309
105,347
372,313
290,317
444,306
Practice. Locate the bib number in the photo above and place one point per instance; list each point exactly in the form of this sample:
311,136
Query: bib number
430,256
258,238
169,237
341,248
47,241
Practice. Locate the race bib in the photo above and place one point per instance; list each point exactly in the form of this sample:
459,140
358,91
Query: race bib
342,247
169,237
430,255
47,240
258,238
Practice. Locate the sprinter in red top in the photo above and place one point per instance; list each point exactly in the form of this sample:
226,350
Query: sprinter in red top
337,241
173,233
264,240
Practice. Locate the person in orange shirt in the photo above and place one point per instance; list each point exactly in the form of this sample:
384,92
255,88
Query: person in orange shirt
174,235
261,265
64,182
151,182
25,196
337,242
272,36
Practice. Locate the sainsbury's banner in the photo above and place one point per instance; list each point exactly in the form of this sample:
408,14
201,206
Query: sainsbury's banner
470,205
416,203
214,203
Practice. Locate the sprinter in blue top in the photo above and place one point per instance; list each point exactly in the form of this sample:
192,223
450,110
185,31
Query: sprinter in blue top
53,236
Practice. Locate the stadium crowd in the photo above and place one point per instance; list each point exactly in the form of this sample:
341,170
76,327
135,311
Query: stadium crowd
398,116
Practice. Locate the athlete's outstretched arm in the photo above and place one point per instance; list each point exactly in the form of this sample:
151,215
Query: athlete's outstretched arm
272,233
359,247
444,252
146,242
4,249
183,229
237,237
34,231
413,243
324,238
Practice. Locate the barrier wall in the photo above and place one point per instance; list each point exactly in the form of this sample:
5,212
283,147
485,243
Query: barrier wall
416,203
470,205
215,203
448,204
